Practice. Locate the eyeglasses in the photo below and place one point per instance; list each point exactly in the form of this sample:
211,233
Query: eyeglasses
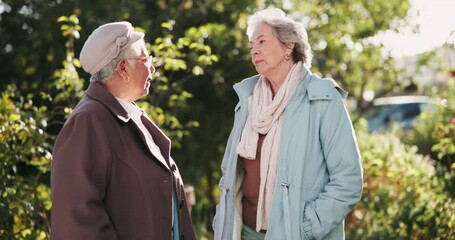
147,60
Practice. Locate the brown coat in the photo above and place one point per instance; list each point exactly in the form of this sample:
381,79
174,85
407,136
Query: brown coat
106,184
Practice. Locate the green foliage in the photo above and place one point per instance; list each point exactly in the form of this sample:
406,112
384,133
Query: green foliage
434,134
404,195
26,146
177,61
67,84
25,164
341,35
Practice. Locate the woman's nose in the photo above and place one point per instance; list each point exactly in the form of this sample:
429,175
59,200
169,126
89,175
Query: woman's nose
152,69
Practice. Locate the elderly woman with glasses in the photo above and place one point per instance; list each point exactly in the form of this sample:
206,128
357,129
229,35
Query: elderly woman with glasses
292,168
112,175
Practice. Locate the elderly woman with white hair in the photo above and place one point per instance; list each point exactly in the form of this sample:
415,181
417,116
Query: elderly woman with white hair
291,168
112,175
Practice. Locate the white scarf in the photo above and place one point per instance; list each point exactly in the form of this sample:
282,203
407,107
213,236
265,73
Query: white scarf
266,117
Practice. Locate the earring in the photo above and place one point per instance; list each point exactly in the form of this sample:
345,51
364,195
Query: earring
286,56
127,79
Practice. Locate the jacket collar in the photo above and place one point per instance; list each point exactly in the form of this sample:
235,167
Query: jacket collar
98,92
245,88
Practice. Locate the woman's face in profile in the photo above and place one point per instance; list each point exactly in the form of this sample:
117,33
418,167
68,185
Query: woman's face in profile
267,52
140,76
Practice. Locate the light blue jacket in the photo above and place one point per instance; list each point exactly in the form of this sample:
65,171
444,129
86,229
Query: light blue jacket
320,174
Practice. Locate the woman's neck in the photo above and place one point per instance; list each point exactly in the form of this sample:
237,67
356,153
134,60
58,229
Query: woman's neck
277,77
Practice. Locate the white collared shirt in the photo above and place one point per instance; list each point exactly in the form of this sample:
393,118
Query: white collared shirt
135,113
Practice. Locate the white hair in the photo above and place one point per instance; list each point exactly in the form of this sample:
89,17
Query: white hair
286,30
106,74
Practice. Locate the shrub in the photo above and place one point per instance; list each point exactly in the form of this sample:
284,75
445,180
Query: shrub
24,171
434,134
404,195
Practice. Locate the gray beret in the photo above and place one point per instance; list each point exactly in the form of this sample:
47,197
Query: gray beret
105,43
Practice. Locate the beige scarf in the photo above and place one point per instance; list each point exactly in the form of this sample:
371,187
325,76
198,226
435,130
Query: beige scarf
266,117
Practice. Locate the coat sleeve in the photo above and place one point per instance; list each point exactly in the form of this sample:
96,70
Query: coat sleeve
79,179
343,161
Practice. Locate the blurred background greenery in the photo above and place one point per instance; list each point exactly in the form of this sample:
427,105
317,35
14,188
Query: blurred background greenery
201,51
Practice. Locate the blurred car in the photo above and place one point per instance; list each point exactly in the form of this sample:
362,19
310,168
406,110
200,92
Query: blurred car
401,110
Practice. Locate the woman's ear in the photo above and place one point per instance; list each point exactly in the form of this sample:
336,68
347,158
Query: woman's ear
122,70
290,45
120,66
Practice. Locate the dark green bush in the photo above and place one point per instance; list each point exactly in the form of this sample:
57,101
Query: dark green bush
25,165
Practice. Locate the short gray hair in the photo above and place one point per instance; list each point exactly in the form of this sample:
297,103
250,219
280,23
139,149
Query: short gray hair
106,73
286,30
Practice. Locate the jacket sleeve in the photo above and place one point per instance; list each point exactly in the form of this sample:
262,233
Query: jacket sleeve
343,161
79,179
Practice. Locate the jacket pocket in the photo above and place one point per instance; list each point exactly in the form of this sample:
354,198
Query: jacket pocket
306,228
